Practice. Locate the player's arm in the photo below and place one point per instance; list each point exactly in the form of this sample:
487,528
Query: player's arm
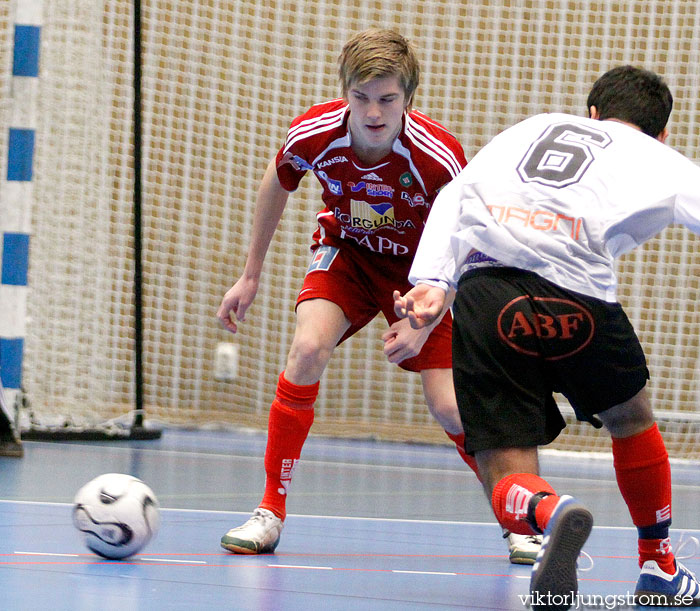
269,206
687,208
434,261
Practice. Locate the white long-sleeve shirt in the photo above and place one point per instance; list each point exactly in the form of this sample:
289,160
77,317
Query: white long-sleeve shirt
561,196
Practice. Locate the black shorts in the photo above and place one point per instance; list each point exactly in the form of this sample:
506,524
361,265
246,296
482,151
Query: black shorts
517,338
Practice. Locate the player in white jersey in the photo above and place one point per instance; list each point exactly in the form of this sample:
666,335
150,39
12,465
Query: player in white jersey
380,165
528,233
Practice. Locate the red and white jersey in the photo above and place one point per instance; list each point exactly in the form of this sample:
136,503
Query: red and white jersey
560,196
382,207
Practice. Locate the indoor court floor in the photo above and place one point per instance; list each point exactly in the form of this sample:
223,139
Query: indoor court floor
372,526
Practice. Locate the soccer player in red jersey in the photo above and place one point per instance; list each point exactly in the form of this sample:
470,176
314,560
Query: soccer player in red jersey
381,165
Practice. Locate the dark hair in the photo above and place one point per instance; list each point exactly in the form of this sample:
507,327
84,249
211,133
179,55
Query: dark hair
633,95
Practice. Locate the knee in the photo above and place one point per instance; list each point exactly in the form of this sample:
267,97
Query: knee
308,353
629,418
446,413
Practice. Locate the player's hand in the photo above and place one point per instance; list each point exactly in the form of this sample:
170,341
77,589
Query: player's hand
422,305
402,342
236,302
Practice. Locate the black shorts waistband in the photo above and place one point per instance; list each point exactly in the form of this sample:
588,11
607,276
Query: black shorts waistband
500,271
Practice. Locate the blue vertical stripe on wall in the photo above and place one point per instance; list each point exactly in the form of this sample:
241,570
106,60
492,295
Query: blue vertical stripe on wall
25,61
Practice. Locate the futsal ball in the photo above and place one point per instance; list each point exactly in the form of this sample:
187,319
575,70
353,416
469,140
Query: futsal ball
117,515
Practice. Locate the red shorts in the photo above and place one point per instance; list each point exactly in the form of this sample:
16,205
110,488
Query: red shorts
362,285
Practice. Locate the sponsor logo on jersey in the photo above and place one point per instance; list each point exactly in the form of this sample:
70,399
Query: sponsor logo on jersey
334,186
367,218
541,220
371,216
406,179
295,161
415,201
331,161
545,327
379,244
299,164
372,189
371,176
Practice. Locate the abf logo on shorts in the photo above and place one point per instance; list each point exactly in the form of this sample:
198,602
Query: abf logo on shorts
545,326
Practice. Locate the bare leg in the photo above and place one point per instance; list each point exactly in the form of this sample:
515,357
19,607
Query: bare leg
320,325
498,463
439,392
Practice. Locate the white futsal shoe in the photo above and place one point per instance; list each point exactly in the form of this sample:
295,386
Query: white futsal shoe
259,535
523,549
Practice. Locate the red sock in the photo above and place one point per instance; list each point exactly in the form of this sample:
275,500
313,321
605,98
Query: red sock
644,478
291,417
470,460
659,550
511,499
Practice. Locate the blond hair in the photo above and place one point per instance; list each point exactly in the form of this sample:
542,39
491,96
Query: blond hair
379,53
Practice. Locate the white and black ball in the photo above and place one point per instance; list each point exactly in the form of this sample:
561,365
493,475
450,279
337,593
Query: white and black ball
117,514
